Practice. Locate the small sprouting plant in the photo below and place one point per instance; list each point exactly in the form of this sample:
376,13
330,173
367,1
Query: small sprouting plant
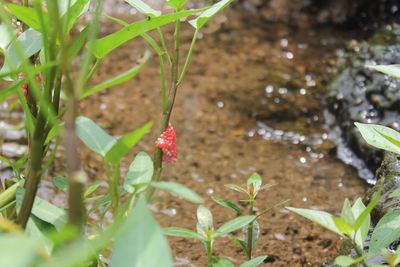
207,235
251,230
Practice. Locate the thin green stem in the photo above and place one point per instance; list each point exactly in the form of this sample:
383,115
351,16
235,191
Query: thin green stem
250,230
115,189
92,71
164,45
189,56
170,104
209,252
163,87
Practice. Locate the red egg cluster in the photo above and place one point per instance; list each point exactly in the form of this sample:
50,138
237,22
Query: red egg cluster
24,87
167,143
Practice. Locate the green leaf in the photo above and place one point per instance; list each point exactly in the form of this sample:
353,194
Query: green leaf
176,4
75,11
380,136
140,171
234,224
357,209
92,188
18,250
199,22
220,262
143,8
395,193
28,43
125,143
104,201
77,44
343,226
182,232
119,78
179,190
140,241
228,204
386,231
256,233
10,90
347,213
61,183
239,242
28,15
6,37
347,261
93,136
392,70
236,188
256,181
205,219
321,217
366,213
254,262
105,45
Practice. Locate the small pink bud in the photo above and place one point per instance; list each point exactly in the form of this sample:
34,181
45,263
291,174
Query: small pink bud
167,143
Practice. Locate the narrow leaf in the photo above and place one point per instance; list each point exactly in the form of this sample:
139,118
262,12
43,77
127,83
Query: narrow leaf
182,232
347,261
27,15
92,188
254,262
366,213
61,183
220,262
234,224
125,143
380,136
143,8
199,22
236,188
179,190
228,204
391,70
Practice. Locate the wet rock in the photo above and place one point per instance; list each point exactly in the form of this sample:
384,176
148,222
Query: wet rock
363,95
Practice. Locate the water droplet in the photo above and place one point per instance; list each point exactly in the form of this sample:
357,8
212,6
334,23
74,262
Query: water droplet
210,191
303,160
284,42
220,104
103,106
304,199
303,91
269,89
283,90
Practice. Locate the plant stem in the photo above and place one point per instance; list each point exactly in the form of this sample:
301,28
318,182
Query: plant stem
163,45
209,252
189,56
250,231
170,104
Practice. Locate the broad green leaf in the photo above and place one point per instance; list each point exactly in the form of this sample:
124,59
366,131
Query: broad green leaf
125,143
347,261
176,4
199,22
380,136
28,43
236,188
44,210
77,44
392,70
343,226
37,228
179,190
182,232
28,15
256,181
18,250
205,219
228,204
6,38
140,241
395,193
254,262
362,233
118,79
347,213
61,183
142,7
386,231
91,188
321,217
220,262
234,224
105,45
140,171
93,136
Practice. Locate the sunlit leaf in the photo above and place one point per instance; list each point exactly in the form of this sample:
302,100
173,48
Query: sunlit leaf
254,262
182,232
140,171
380,136
27,14
125,143
140,241
205,218
236,188
144,8
347,261
234,224
392,70
220,262
176,4
91,188
347,213
93,136
343,226
199,22
228,204
357,209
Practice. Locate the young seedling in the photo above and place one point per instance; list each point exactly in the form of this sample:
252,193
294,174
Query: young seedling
207,235
251,230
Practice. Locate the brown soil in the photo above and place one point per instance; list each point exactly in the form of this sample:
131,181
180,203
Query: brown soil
219,142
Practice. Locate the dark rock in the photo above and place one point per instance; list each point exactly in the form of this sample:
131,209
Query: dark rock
358,94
